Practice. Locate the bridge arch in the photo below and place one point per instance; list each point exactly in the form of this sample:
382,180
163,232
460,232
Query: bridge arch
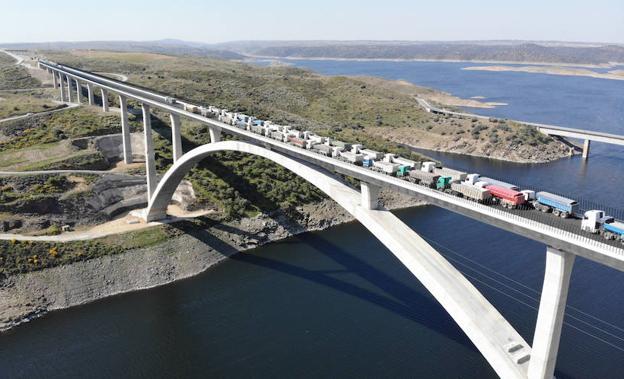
479,319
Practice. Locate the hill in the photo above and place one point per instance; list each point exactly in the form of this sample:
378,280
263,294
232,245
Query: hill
466,51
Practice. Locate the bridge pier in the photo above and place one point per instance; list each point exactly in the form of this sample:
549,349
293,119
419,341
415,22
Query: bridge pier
176,136
62,87
551,312
150,163
78,92
104,100
125,130
215,133
370,195
69,88
586,145
54,79
90,93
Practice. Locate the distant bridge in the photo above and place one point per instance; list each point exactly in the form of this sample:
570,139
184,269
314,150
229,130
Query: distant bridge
506,351
552,130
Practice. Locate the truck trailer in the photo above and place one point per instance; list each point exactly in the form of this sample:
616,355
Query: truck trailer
425,178
558,205
508,198
471,192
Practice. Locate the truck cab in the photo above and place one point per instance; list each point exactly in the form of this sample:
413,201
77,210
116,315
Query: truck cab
443,182
428,166
592,220
472,179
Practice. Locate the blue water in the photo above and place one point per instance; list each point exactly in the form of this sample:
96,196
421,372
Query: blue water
337,304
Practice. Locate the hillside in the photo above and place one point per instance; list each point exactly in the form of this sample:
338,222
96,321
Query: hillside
525,52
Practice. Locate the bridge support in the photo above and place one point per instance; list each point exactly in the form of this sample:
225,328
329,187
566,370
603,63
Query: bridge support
104,100
125,130
586,145
54,79
215,133
550,316
62,87
78,92
69,88
150,163
90,93
176,136
370,195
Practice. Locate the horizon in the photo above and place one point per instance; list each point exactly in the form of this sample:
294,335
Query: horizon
450,41
273,20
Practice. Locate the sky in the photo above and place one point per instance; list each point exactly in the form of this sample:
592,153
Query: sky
230,20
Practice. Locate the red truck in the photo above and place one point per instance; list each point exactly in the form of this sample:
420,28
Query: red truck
297,141
508,198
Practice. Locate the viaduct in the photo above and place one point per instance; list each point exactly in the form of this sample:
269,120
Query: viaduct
500,344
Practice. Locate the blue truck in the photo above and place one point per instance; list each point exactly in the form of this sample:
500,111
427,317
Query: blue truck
613,230
558,205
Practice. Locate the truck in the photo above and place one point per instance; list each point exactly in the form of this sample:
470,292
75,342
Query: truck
558,205
507,197
385,167
297,141
403,170
406,162
613,230
499,183
425,178
597,221
471,192
443,183
453,174
278,136
355,158
322,149
372,154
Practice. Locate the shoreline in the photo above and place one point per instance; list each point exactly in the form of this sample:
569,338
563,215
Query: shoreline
28,296
294,58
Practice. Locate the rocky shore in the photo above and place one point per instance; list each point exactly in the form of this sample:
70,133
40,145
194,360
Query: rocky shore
25,297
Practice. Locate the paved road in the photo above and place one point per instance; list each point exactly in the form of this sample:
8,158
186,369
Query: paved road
13,118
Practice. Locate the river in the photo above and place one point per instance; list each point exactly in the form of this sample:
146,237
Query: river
337,303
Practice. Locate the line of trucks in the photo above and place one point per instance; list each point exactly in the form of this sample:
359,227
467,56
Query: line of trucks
430,174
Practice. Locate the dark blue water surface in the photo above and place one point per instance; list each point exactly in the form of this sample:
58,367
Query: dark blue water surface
337,303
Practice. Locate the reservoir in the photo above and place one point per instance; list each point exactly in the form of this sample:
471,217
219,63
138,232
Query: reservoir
336,303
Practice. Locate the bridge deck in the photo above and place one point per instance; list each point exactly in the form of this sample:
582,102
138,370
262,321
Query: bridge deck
574,242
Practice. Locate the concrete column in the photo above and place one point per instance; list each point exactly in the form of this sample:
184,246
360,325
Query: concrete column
215,133
586,149
69,88
550,316
176,136
125,130
370,195
90,93
104,99
150,163
54,79
78,92
62,87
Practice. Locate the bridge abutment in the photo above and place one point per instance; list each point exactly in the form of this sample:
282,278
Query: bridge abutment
370,195
150,163
125,130
550,316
